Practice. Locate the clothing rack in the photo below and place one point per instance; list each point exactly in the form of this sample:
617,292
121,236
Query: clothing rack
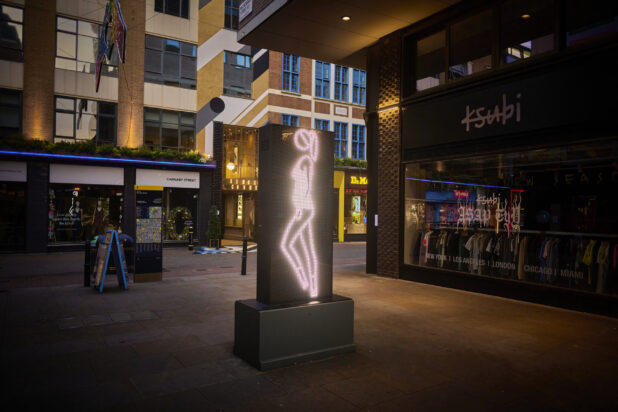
526,231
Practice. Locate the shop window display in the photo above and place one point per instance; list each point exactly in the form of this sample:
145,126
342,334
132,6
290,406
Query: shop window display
179,213
544,216
12,216
77,213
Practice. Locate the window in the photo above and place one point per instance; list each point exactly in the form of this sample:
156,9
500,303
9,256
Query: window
81,119
341,83
289,120
341,139
237,74
179,8
11,33
527,29
170,62
76,47
10,112
322,79
359,86
430,61
471,50
321,124
169,130
291,70
587,24
358,141
231,14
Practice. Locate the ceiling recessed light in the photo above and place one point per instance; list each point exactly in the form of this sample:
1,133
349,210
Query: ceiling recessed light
525,16
345,18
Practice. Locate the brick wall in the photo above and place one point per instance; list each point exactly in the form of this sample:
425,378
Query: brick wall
274,68
131,77
39,55
289,101
357,113
389,143
305,75
321,107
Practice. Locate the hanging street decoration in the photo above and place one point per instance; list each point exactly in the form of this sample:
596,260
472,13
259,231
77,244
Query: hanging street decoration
113,32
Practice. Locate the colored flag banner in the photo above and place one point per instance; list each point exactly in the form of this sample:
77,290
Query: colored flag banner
113,33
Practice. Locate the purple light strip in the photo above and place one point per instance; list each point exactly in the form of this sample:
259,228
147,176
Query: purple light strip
456,183
106,159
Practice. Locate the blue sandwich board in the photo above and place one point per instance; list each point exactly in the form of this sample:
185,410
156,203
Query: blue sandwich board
110,246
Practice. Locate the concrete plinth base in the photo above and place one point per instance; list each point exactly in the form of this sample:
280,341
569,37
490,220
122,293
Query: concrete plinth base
269,337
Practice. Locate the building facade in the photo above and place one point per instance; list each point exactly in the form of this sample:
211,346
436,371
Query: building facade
184,72
492,153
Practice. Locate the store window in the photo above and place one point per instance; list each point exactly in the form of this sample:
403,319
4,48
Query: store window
237,74
587,24
291,73
240,146
355,203
471,49
322,79
231,14
12,216
179,8
359,86
321,124
170,62
169,130
430,61
341,83
358,141
527,28
80,212
11,33
179,213
82,119
10,112
289,120
77,45
234,210
341,139
544,216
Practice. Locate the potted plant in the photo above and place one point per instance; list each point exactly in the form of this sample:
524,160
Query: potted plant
214,228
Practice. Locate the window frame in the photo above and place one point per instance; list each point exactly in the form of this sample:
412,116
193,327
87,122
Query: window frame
160,6
18,106
341,142
230,7
289,120
358,141
160,124
292,74
98,117
160,76
341,92
322,122
10,53
322,77
359,88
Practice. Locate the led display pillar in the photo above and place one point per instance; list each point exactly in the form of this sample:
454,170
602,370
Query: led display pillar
295,317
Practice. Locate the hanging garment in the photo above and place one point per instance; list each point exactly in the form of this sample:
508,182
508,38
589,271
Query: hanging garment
588,258
603,262
521,275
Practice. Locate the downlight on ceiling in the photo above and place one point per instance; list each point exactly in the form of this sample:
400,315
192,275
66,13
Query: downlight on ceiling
525,16
346,18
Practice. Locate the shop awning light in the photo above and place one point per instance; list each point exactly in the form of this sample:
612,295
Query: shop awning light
456,183
106,159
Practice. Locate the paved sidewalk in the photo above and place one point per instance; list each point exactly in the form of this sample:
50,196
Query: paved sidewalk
168,346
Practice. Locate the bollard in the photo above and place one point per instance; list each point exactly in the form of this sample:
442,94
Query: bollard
190,245
87,269
243,269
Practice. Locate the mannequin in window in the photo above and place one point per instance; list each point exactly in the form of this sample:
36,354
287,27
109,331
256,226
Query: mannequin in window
76,216
98,219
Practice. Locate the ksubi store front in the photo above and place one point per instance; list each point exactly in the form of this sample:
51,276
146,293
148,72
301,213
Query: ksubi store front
518,196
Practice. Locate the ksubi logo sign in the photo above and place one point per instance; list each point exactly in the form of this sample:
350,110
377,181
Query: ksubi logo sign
500,115
297,244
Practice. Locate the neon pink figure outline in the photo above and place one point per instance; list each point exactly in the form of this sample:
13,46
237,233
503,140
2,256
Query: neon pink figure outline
297,243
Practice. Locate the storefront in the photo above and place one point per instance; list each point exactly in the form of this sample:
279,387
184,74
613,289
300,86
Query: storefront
509,185
239,181
13,181
54,202
350,204
179,202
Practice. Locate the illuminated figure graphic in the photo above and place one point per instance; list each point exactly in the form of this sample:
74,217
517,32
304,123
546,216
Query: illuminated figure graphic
297,243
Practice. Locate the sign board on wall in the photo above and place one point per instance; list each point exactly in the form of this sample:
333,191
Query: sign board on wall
167,178
294,219
245,9
148,239
13,171
90,175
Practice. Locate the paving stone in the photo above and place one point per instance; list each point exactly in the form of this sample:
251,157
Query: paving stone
70,323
